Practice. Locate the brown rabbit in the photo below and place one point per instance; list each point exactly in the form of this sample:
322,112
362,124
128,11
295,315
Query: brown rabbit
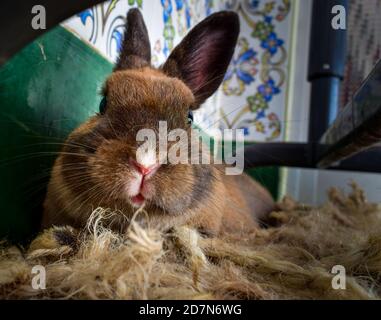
98,168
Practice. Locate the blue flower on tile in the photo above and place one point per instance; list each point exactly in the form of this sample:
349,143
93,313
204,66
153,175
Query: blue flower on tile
169,30
272,43
84,15
179,4
254,4
246,131
268,19
118,37
268,89
167,12
260,114
242,68
188,17
247,61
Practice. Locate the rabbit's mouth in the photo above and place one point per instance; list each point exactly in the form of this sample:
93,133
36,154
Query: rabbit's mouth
139,187
141,196
138,200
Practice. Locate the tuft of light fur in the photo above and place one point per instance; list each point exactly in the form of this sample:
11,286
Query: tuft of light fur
290,261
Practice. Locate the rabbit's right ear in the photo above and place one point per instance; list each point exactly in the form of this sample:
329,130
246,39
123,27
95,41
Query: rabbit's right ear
136,49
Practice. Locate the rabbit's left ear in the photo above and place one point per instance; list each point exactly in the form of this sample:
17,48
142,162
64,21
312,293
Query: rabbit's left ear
203,56
136,49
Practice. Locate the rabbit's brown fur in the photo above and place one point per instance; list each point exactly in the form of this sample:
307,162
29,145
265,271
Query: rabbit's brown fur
94,168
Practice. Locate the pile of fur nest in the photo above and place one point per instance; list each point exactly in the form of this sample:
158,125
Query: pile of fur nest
292,260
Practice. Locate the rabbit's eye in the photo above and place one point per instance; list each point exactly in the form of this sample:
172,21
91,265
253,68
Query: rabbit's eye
190,117
103,105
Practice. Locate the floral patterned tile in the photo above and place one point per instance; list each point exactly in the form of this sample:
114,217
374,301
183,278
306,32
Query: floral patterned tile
252,96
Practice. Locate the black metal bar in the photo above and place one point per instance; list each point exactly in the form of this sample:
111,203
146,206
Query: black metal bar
323,106
279,154
16,16
300,155
366,161
326,67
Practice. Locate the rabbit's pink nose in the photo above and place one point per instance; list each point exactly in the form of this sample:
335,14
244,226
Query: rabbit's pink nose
144,170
